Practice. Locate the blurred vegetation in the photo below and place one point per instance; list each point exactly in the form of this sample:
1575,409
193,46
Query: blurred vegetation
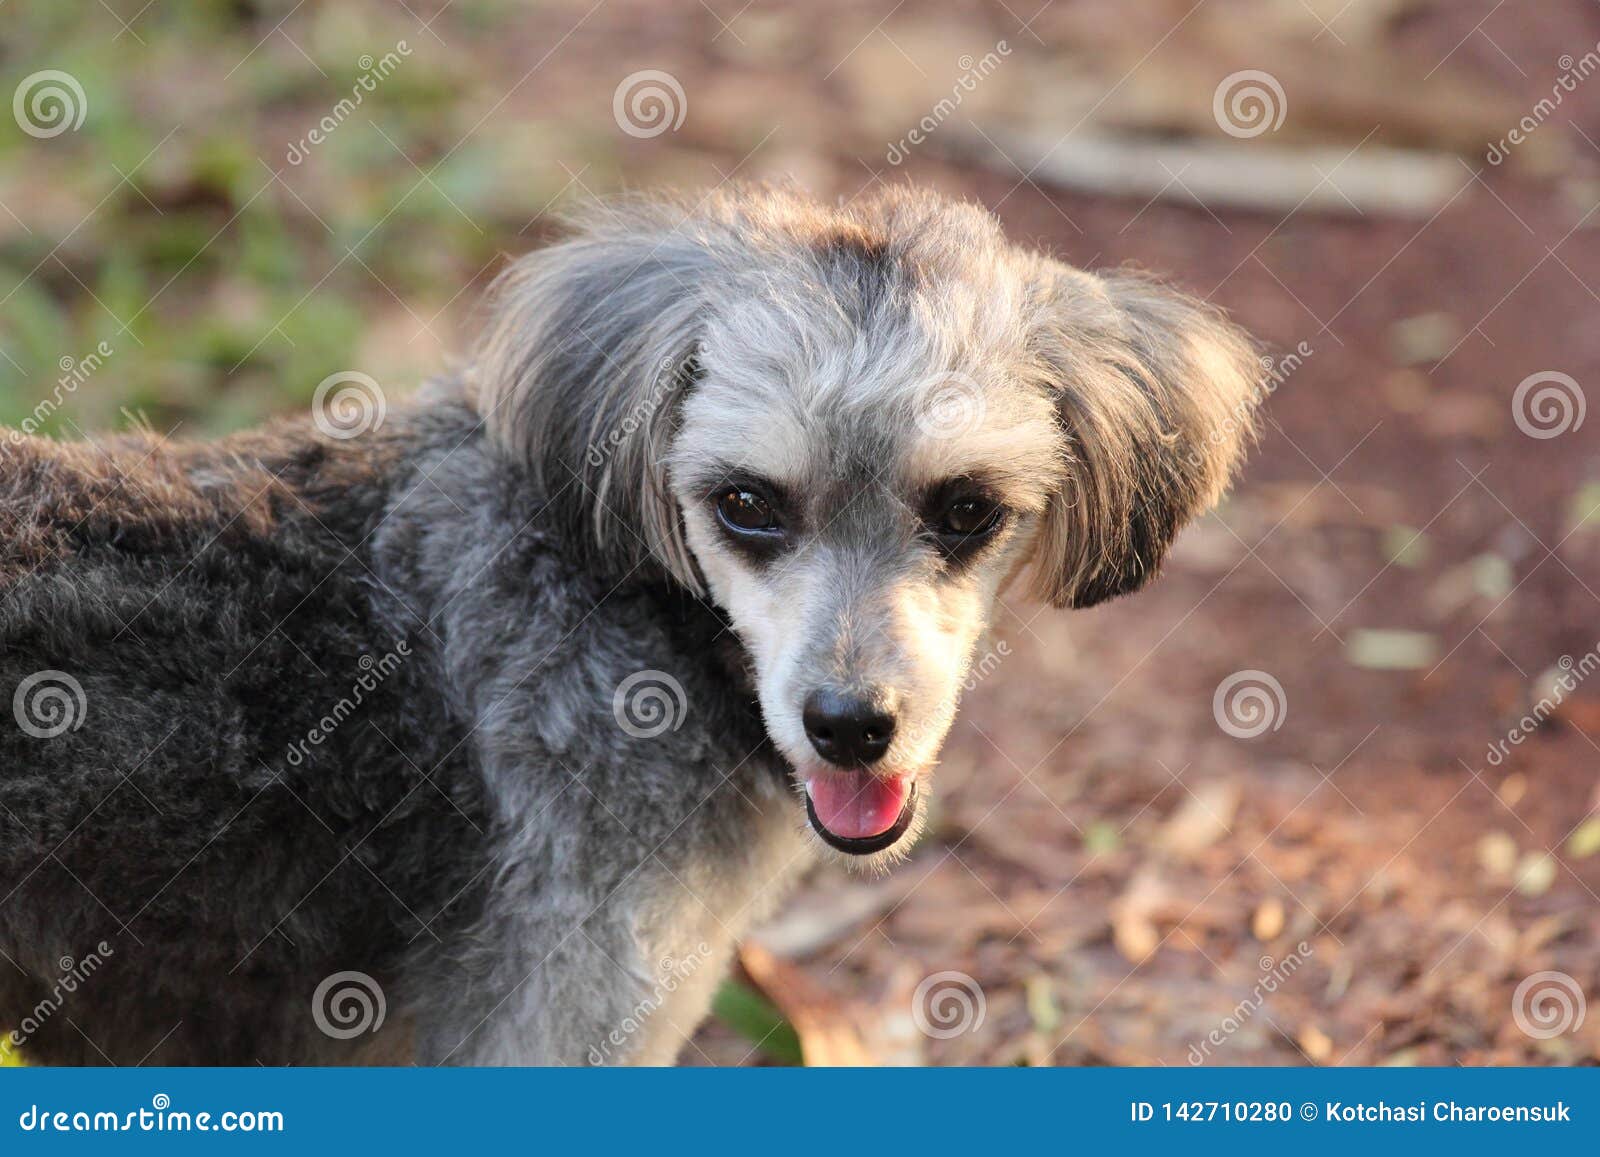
226,280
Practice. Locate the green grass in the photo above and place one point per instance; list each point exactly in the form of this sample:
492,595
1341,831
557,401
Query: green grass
226,294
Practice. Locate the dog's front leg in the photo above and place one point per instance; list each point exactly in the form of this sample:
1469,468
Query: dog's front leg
548,997
591,993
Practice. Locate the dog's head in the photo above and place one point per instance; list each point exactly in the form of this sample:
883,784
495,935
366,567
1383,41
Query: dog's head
850,428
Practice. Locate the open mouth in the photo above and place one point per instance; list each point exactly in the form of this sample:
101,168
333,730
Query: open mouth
858,812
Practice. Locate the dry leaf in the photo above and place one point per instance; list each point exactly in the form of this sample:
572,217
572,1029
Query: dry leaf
1497,855
1315,1043
828,1037
1268,921
1201,819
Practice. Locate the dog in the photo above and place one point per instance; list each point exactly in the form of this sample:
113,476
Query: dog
480,733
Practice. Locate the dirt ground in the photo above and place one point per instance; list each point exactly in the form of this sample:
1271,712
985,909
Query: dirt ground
1358,876
1116,873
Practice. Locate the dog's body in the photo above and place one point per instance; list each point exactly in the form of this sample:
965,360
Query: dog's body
361,705
468,875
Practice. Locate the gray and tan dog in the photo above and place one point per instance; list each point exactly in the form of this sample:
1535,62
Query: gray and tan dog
442,741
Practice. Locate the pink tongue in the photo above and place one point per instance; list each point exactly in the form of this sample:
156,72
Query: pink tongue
855,804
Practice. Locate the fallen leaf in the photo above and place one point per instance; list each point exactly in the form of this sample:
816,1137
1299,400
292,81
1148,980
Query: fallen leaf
1133,928
1492,576
1405,546
823,1026
1427,337
1040,991
1201,819
1536,873
1583,508
1497,855
1101,838
1391,650
1268,921
1585,841
1315,1043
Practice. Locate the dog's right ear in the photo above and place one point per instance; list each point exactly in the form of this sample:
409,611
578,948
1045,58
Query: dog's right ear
590,348
1155,393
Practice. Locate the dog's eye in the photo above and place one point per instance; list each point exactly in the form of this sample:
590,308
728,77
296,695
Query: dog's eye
745,511
968,518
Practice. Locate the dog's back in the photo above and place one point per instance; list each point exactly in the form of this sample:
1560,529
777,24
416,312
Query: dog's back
222,720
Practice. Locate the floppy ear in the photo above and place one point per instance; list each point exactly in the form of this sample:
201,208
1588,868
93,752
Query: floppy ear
1155,393
590,348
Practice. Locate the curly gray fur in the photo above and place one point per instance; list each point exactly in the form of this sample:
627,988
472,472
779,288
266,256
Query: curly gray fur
350,705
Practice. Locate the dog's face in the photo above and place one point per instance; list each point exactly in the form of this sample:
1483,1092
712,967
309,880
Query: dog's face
851,430
854,502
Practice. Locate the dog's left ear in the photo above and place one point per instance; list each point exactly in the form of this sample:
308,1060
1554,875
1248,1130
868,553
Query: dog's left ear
590,348
1155,393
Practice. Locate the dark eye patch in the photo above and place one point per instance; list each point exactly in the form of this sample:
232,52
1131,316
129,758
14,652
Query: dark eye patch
961,516
753,514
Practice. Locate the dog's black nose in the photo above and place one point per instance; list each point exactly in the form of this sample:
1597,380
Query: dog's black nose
850,730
